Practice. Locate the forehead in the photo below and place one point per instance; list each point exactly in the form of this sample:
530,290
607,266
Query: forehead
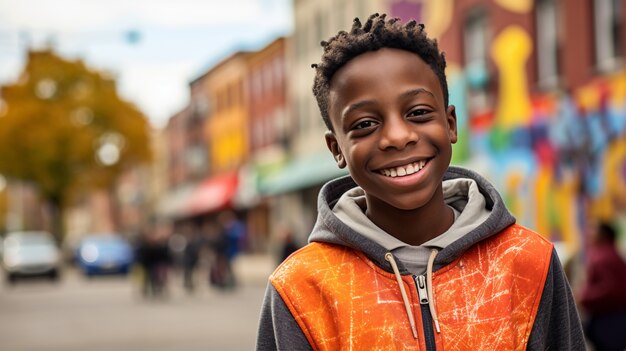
383,72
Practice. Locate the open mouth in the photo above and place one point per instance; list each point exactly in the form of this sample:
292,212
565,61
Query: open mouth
405,170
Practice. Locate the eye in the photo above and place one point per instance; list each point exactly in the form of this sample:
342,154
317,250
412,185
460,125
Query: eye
418,112
368,123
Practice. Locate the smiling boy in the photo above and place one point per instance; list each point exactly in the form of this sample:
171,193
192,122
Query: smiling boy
408,252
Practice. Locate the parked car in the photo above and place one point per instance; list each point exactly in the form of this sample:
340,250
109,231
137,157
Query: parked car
99,254
30,253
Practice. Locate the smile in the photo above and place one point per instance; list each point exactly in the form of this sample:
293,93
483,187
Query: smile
405,170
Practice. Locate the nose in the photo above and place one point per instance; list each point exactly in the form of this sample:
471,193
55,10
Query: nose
397,133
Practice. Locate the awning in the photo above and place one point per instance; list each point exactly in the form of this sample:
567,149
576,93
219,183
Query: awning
301,173
213,194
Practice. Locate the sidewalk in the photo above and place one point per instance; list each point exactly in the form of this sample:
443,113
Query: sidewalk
254,269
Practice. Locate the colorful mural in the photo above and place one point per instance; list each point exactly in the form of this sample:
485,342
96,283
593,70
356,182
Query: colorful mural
559,159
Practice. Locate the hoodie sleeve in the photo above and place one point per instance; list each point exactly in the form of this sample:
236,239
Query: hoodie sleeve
278,330
557,324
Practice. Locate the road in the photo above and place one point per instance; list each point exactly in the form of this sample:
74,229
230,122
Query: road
109,313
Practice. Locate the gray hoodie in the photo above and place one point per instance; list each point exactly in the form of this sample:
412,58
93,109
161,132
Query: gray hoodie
480,213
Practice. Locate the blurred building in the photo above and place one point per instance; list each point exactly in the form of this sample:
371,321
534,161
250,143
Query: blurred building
270,128
22,207
240,123
539,89
186,155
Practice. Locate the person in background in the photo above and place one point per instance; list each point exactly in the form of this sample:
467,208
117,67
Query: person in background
154,257
603,295
232,235
191,256
288,244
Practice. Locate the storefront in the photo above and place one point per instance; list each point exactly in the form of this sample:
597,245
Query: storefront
292,191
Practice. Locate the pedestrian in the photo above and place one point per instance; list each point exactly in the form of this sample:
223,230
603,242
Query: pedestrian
603,295
232,234
154,257
191,256
288,244
408,252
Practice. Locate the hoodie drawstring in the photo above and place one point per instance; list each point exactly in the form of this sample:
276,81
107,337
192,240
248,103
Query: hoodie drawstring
405,298
429,288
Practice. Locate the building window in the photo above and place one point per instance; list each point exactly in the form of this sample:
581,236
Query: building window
547,39
608,26
196,159
268,79
257,85
277,71
475,40
475,47
257,133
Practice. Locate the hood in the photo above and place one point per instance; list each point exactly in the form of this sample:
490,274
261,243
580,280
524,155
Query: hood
329,229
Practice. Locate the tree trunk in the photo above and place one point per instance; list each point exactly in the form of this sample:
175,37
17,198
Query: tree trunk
57,212
114,208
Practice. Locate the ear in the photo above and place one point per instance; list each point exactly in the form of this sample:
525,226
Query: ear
451,120
333,146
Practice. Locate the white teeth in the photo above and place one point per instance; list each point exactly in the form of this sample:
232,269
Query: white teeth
404,170
410,169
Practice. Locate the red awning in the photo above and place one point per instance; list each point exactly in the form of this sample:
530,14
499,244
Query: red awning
213,194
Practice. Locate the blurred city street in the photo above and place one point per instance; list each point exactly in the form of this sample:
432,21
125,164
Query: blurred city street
137,136
109,313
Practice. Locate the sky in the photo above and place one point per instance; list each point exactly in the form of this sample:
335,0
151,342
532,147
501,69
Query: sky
153,48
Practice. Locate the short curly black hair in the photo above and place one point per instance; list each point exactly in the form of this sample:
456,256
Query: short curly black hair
377,32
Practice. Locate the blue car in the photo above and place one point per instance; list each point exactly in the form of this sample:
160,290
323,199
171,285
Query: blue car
100,254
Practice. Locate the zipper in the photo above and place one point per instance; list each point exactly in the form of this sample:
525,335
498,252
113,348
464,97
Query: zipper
422,293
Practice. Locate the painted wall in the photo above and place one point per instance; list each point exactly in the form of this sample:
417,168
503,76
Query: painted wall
558,159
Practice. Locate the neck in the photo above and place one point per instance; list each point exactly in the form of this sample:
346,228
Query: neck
416,226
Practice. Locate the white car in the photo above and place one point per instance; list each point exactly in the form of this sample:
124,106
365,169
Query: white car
30,253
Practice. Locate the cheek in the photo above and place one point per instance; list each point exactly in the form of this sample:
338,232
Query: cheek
357,156
439,135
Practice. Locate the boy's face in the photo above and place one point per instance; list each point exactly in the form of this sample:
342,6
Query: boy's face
391,128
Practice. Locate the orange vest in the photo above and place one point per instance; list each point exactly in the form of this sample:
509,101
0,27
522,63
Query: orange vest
486,300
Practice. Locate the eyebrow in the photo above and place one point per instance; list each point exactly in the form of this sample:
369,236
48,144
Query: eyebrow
406,94
356,106
414,92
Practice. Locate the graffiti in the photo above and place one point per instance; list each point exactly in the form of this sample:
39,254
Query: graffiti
510,51
559,159
565,165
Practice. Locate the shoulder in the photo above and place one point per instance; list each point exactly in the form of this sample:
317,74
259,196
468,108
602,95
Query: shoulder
515,247
517,235
310,258
315,261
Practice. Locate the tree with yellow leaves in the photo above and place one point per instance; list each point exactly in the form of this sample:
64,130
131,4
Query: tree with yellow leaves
63,129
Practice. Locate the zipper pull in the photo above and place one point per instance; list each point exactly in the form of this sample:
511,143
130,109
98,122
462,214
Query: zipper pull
421,289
